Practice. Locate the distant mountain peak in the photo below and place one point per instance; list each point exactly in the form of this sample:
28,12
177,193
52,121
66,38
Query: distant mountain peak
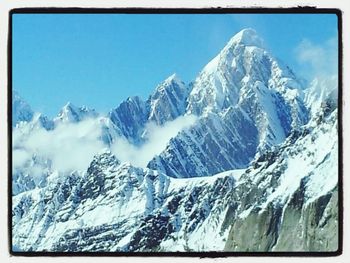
72,113
69,106
21,111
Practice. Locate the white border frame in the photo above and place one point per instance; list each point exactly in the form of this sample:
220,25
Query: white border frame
6,5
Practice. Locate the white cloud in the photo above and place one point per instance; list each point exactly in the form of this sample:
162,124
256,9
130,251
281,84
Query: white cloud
157,138
319,64
318,60
20,157
72,146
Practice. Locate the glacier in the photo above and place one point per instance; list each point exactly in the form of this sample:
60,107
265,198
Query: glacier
254,166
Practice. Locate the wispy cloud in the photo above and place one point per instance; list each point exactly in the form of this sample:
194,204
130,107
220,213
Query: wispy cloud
157,138
318,60
319,64
72,146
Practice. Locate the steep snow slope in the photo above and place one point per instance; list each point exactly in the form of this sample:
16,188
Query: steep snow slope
214,144
321,90
242,66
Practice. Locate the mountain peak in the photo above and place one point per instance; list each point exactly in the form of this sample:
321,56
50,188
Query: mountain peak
168,100
21,111
69,106
168,84
72,113
246,37
172,78
136,99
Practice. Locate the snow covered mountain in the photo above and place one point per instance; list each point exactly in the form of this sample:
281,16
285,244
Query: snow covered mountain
257,167
248,102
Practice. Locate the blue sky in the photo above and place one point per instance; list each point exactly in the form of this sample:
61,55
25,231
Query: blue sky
98,60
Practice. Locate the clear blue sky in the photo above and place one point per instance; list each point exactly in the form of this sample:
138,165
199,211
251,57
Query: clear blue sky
99,60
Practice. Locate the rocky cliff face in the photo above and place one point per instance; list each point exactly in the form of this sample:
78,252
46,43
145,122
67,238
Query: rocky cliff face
308,227
257,169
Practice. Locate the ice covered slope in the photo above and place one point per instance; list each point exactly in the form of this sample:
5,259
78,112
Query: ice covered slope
321,91
290,191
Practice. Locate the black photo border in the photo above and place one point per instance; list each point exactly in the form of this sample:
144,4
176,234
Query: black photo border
215,10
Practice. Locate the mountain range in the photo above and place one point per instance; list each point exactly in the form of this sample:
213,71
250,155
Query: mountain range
249,162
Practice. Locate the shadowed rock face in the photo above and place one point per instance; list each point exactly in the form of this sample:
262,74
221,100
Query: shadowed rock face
305,227
130,117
